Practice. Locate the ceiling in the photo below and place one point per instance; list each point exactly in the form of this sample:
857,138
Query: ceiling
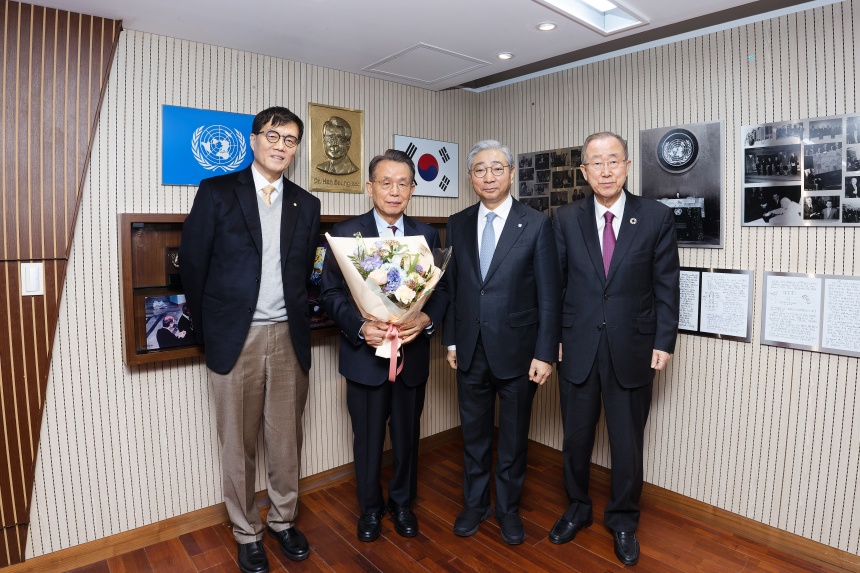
434,45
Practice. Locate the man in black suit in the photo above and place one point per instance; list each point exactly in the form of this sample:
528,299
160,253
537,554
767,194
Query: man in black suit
371,399
502,331
247,251
620,269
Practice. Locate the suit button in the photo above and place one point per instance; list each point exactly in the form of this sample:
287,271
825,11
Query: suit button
606,297
250,310
478,320
482,293
258,279
599,327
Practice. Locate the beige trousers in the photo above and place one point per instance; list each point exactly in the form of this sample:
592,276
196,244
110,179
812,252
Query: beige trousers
267,387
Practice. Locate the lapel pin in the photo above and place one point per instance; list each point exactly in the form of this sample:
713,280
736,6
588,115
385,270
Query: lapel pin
520,225
633,220
295,205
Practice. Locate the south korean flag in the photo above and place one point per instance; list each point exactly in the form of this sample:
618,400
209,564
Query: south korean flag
435,165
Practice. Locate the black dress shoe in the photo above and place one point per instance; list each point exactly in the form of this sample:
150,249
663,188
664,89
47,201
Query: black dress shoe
293,542
252,558
626,547
564,530
405,522
469,520
369,525
512,528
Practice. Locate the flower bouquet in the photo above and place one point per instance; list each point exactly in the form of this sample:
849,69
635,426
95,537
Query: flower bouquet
389,279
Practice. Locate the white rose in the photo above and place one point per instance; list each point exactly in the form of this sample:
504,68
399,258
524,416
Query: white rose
379,276
404,294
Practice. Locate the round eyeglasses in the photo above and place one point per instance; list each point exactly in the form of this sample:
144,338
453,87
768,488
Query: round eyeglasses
273,136
496,169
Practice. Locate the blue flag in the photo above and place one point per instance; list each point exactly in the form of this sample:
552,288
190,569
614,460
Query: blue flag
200,143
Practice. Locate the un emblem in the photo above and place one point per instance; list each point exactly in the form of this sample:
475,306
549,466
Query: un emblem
677,151
218,147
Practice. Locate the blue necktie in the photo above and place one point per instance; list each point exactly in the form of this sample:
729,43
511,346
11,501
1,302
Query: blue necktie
488,244
608,241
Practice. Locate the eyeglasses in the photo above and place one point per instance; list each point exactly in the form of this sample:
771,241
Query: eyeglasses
273,136
496,169
386,185
599,165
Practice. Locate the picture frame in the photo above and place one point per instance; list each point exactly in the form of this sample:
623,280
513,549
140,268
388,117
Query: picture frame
335,141
682,167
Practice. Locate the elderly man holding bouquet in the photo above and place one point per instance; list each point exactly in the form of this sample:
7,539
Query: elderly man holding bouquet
373,400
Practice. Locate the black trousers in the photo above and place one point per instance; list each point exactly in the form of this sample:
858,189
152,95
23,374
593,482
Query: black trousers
626,412
370,408
477,391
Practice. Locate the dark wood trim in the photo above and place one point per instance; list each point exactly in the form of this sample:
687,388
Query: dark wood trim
129,319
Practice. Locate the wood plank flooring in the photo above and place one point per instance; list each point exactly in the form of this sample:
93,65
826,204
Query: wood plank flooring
670,541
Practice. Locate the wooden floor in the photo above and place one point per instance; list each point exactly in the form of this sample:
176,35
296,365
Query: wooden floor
669,540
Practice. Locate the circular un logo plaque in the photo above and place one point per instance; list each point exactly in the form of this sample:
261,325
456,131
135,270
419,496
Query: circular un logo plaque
677,151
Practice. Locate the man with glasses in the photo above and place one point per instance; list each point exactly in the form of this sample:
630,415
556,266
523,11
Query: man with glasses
247,251
501,330
337,137
371,399
620,270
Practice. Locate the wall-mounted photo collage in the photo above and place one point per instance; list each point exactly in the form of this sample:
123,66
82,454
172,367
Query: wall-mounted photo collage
804,173
546,180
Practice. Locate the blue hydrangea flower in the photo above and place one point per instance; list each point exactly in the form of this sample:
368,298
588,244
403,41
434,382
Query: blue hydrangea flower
371,263
393,280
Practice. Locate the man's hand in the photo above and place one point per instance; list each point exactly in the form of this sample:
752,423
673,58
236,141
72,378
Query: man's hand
374,332
452,358
411,329
539,371
659,359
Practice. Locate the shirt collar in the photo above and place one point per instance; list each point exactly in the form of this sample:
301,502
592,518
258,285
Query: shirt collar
502,211
617,208
383,224
260,181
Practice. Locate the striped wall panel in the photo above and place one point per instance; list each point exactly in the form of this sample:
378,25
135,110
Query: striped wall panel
767,433
54,66
772,434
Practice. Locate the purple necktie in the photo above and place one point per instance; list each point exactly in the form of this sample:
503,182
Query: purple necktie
608,241
393,230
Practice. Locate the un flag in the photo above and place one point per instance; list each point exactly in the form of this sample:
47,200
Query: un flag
200,143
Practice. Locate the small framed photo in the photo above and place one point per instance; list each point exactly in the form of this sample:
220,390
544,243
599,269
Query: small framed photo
168,322
335,140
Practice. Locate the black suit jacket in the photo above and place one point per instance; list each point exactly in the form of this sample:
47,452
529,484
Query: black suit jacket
221,258
638,301
358,361
515,309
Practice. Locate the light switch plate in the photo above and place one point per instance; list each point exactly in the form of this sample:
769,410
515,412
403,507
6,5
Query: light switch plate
32,279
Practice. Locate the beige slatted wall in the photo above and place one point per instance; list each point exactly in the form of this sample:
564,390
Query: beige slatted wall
768,433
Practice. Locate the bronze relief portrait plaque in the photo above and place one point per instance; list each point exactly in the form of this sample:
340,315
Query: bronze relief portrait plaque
335,138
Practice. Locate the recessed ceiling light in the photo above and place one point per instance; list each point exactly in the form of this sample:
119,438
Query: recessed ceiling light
546,26
505,55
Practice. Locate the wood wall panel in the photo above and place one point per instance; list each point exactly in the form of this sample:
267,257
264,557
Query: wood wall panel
54,68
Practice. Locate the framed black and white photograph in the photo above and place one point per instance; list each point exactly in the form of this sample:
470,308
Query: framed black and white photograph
555,178
821,208
768,134
827,129
772,206
527,174
822,166
541,160
542,176
774,165
681,166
